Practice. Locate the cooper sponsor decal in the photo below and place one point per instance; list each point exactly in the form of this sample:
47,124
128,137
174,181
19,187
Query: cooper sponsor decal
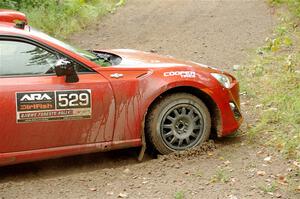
53,105
183,74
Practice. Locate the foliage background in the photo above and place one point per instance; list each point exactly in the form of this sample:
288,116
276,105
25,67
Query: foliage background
272,82
62,17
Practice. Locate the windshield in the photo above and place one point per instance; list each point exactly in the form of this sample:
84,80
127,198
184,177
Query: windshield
84,53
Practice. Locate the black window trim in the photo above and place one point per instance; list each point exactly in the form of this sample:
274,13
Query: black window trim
45,47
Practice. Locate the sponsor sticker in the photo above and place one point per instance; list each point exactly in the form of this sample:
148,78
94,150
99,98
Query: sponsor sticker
53,105
183,74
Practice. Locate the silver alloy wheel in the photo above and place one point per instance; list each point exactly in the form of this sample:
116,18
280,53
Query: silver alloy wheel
182,126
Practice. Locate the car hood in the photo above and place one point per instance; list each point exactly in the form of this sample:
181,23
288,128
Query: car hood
140,59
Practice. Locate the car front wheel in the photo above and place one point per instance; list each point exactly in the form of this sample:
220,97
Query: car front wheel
178,122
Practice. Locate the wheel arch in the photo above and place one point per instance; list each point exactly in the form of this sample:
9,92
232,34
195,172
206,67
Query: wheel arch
207,100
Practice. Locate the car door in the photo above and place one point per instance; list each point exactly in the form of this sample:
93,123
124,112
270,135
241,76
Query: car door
39,110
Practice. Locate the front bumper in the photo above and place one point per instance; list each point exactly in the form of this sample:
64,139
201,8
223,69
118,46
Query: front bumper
228,102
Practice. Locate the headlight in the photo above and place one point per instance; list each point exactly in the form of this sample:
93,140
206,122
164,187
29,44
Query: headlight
223,79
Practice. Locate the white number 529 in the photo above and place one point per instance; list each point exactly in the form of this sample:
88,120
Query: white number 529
73,99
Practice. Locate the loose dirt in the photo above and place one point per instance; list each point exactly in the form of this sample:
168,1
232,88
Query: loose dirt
214,32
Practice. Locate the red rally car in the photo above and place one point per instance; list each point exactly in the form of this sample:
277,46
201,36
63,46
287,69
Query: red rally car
58,100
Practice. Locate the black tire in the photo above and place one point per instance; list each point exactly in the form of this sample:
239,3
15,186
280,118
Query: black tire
178,119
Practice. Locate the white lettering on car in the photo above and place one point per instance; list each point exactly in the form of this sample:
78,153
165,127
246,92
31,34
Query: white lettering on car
35,96
183,74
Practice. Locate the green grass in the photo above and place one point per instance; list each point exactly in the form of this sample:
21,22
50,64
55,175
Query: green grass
61,18
221,176
293,5
272,80
179,195
270,188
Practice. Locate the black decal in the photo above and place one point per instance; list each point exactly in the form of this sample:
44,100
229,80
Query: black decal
53,105
33,101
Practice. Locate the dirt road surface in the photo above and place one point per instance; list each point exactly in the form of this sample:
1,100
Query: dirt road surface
215,32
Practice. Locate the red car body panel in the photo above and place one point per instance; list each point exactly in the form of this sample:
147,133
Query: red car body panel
39,135
119,105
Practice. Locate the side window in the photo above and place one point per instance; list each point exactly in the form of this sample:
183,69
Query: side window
20,58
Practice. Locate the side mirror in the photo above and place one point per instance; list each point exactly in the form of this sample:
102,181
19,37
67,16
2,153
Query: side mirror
66,68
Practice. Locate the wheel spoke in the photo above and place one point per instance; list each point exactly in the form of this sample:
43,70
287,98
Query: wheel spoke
194,135
168,134
197,127
167,126
191,113
183,112
170,118
196,118
180,142
176,112
187,140
173,140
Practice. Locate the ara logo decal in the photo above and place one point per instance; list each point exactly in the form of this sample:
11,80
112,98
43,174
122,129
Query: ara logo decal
29,101
35,97
183,74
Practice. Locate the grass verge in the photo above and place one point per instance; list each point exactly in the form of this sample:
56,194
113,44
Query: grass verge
60,18
272,81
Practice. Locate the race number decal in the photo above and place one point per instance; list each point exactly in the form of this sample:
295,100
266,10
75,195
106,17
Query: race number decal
53,105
